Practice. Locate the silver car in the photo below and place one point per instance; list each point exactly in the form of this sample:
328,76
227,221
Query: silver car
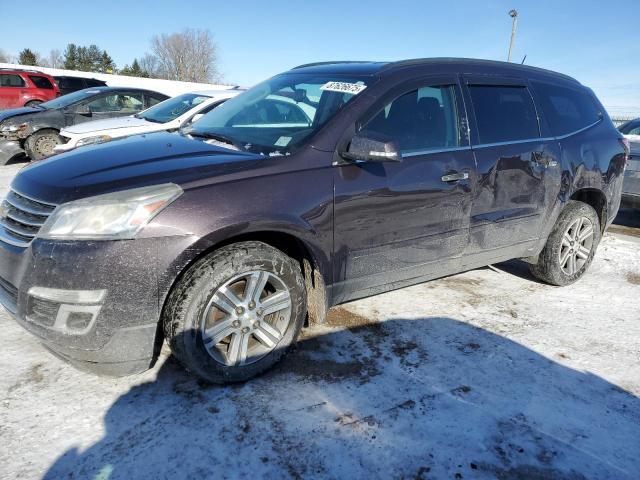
631,185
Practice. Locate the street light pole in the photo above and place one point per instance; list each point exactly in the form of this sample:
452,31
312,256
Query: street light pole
514,24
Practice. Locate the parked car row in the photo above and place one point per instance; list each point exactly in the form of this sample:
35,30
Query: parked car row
631,185
28,88
326,183
98,115
35,130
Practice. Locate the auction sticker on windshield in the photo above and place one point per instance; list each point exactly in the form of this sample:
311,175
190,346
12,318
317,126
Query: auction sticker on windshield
343,87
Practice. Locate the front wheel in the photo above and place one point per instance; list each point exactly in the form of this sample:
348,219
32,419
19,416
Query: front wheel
235,312
40,144
571,246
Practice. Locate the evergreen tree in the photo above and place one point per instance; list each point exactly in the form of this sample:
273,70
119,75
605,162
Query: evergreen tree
27,57
71,57
134,70
107,65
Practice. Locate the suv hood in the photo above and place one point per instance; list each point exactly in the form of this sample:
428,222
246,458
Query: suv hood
130,162
107,124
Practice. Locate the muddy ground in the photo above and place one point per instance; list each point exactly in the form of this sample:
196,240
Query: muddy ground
486,374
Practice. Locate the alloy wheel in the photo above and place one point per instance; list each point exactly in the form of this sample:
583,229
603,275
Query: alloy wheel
576,246
246,318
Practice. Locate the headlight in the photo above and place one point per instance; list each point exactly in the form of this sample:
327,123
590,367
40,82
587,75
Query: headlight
113,216
93,140
14,128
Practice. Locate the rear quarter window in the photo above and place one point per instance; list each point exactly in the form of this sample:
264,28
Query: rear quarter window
567,109
41,82
92,82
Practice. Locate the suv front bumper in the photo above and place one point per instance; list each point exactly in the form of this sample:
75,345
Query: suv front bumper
94,304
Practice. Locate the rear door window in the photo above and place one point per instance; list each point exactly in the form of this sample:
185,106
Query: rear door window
420,120
117,102
504,113
567,109
41,82
11,80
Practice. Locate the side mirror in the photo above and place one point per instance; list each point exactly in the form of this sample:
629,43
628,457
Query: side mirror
371,147
84,110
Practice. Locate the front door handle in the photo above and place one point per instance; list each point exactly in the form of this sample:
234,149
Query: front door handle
454,177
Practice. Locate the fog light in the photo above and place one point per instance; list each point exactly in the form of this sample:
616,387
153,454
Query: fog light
67,296
68,311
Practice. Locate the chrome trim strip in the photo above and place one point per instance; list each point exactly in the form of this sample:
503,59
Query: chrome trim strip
7,302
15,201
435,150
17,229
541,139
17,216
512,142
53,205
7,238
567,135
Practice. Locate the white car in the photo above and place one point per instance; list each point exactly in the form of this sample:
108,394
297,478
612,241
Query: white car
171,114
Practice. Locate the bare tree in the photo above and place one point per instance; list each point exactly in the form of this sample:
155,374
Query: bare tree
54,59
150,64
4,57
189,55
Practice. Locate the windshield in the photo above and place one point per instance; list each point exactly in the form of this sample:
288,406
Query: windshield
172,108
66,100
279,115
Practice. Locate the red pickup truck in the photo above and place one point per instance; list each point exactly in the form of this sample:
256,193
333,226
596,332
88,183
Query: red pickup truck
26,88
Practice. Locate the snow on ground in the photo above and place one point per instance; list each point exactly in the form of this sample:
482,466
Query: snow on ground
486,374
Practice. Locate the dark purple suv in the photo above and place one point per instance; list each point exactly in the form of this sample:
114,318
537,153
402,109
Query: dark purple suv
324,184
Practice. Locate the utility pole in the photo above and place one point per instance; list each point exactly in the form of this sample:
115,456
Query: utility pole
514,24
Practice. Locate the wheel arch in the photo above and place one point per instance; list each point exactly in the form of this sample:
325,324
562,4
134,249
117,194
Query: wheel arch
287,242
596,199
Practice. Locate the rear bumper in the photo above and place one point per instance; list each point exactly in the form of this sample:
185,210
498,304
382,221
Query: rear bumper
10,149
94,304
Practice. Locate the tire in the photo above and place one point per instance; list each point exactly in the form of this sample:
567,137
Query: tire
564,245
40,144
200,308
32,103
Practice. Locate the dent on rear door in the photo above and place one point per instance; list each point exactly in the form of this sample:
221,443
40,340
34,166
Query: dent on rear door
518,170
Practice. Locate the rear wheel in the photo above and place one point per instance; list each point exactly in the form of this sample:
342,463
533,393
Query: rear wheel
571,246
32,103
40,144
235,312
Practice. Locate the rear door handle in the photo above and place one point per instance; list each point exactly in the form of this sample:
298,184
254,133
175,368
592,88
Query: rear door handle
454,177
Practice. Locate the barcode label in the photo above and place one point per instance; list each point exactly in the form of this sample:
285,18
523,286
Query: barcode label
343,87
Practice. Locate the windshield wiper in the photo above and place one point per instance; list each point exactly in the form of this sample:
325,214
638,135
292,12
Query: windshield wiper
213,136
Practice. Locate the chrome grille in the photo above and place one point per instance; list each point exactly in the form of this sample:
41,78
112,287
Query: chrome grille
21,218
8,295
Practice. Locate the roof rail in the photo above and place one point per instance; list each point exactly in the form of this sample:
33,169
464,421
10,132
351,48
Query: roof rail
475,61
316,64
20,70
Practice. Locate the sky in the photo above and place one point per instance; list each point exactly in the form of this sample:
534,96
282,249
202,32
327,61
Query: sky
596,41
